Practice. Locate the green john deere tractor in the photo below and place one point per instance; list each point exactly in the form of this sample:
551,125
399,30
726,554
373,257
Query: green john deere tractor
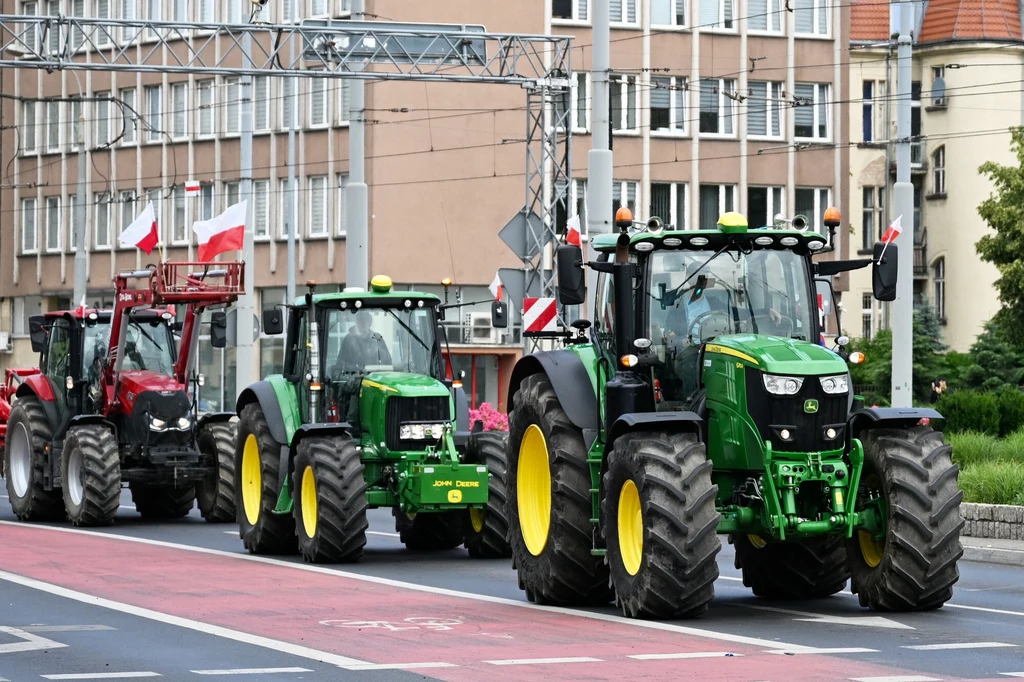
362,416
703,400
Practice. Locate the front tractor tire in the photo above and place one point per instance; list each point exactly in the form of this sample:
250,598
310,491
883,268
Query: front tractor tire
162,501
549,502
487,528
910,478
660,525
215,495
258,482
90,475
25,461
330,500
795,569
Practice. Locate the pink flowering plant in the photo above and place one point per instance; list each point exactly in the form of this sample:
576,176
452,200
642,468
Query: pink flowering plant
492,419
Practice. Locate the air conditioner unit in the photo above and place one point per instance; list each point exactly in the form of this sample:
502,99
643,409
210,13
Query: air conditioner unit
5,343
480,329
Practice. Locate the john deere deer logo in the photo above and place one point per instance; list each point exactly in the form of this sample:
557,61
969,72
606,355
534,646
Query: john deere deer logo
810,406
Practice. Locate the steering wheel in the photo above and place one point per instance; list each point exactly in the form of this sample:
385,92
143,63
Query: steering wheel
784,324
699,322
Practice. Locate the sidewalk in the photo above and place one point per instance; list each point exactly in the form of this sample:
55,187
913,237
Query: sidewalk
993,551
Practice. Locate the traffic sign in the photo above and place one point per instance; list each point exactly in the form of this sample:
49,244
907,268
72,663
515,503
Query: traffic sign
513,286
540,315
515,232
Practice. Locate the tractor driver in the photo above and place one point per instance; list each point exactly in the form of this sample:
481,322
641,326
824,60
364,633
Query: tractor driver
361,347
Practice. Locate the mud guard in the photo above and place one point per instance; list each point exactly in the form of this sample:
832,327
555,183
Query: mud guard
570,380
306,430
888,417
38,387
213,418
653,421
263,393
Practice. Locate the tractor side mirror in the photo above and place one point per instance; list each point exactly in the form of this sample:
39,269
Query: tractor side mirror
273,321
572,282
37,333
177,326
883,271
499,315
219,329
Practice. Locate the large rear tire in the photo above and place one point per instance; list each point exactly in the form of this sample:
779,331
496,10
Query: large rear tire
430,531
549,502
660,525
795,569
28,433
216,494
90,475
258,482
487,529
330,500
912,479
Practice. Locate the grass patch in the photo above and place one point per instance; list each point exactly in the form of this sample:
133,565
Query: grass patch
971,447
995,482
1011,448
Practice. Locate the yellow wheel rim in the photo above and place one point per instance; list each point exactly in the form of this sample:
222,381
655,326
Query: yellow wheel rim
757,541
476,518
533,490
630,527
252,481
309,515
870,548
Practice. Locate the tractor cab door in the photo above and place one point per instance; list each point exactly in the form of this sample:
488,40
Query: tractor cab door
297,359
56,363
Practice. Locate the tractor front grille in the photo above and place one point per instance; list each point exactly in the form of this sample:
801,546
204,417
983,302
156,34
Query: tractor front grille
399,410
772,414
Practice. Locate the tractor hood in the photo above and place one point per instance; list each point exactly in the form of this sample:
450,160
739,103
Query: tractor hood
776,355
405,384
138,381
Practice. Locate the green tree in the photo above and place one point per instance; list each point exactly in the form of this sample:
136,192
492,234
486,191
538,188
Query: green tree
994,361
1004,213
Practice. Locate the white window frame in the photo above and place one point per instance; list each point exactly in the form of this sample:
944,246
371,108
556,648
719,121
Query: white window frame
939,170
325,5
207,202
577,195
939,284
129,124
317,231
232,106
206,11
260,104
101,114
261,210
623,20
318,88
724,192
580,78
676,8
344,103
772,12
179,233
726,108
624,82
678,93
232,194
179,10
206,108
29,131
155,195
772,191
867,315
578,17
816,7
53,44
678,221
773,109
128,201
154,133
102,219
29,214
154,12
289,87
623,186
53,219
31,9
104,36
817,216
233,12
822,96
77,8
720,25
179,110
282,208
53,116
128,12
75,121
341,219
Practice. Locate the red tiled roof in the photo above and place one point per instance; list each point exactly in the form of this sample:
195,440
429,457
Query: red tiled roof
967,19
869,20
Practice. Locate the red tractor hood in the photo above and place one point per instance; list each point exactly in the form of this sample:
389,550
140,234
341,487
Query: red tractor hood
136,382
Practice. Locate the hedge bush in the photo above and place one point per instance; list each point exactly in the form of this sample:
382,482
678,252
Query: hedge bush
969,410
1011,411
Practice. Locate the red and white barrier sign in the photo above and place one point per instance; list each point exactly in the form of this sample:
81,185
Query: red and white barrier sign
539,315
191,188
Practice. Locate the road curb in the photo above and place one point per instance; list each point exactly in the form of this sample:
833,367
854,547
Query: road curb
989,554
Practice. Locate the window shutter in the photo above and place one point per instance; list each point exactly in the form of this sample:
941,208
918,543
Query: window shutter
757,109
804,19
261,103
661,12
758,15
631,11
342,203
804,114
680,97
661,94
345,115
260,190
708,13
231,111
728,11
615,10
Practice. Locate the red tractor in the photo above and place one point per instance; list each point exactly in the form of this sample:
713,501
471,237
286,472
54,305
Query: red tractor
110,404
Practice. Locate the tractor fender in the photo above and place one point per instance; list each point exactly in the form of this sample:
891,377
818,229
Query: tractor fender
306,430
570,380
86,419
462,425
653,421
888,417
263,393
213,418
38,387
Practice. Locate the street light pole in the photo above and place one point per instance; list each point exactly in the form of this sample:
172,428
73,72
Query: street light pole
356,193
244,336
292,216
79,227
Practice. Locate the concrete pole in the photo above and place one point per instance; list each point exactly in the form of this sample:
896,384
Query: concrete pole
356,194
599,159
292,216
244,341
903,200
83,208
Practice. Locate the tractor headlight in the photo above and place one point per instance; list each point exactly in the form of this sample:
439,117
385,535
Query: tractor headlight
835,385
184,423
780,385
421,431
157,424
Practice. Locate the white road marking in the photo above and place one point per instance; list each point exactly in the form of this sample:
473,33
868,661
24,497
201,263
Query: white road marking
1021,674
400,666
823,650
543,661
251,671
897,678
429,589
65,628
216,630
387,535
955,645
230,532
866,621
99,676
692,654
31,643
986,610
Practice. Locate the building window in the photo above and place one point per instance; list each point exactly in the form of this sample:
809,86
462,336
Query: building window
179,229
28,127
130,123
53,240
53,126
765,15
764,109
73,222
155,13
811,111
128,208
101,112
714,201
206,93
622,12
717,14
317,102
28,225
234,12
873,216
868,108
155,197
261,103
232,190
668,105
812,17
716,109
578,201
318,8
579,101
75,128
572,10
206,13
232,110
180,9
53,9
939,86
668,12
102,229
762,205
30,36
103,35
179,102
625,103
628,189
288,102
867,327
939,280
153,111
261,209
939,171
317,206
206,202
812,202
668,202
344,103
283,198
342,218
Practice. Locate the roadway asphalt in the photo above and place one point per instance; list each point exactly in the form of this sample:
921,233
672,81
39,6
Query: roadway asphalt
172,598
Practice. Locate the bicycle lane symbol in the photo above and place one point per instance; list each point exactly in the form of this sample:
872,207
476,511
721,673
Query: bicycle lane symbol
413,623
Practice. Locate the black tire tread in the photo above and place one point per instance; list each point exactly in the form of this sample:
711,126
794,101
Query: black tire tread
39,503
217,440
489,449
273,533
101,475
794,569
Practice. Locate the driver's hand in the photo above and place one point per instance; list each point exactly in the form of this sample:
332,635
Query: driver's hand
774,315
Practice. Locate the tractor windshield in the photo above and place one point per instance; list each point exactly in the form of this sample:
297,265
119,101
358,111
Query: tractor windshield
381,339
148,346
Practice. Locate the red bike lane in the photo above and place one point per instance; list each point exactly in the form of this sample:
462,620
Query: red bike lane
385,624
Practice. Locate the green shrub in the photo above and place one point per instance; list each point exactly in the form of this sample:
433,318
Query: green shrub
993,482
1011,411
968,410
1011,448
971,447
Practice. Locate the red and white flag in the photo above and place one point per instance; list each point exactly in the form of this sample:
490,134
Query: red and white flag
893,231
191,188
225,232
495,287
573,234
143,231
